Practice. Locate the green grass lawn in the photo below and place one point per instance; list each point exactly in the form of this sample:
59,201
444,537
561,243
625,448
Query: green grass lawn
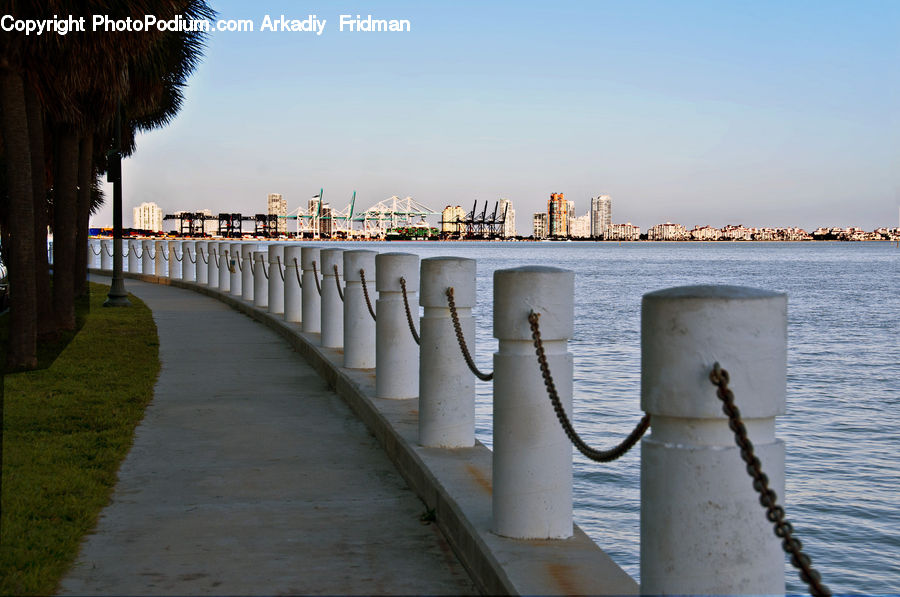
66,428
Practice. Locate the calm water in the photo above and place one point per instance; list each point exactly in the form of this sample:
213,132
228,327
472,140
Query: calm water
841,428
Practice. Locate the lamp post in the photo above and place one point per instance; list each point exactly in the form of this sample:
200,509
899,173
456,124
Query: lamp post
118,296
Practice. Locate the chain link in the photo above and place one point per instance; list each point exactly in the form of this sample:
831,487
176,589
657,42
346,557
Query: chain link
165,255
99,250
409,319
280,269
264,269
297,272
240,261
593,454
191,257
202,256
337,281
316,278
362,278
228,263
462,341
175,253
767,498
216,255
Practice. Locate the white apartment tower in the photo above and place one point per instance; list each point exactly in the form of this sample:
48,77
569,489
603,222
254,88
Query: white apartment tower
601,216
509,224
278,207
148,216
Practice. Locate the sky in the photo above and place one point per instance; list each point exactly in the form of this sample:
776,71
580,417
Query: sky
759,113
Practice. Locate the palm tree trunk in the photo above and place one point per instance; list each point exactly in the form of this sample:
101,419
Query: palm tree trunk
46,320
65,212
22,350
83,218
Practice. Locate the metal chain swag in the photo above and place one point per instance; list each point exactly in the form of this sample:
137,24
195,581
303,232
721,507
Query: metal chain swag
409,319
100,250
265,270
215,254
316,278
774,513
175,253
297,272
362,278
202,256
280,269
593,454
228,263
337,281
462,341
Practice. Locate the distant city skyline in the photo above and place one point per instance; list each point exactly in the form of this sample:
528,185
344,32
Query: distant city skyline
765,114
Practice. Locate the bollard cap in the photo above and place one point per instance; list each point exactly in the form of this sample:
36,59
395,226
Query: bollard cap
260,256
440,272
356,260
308,255
549,291
390,267
174,243
247,249
292,252
330,258
685,330
276,250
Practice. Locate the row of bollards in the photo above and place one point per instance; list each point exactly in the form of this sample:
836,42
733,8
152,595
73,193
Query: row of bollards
702,528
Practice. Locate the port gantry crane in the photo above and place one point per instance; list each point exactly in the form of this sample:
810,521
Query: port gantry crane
476,225
317,220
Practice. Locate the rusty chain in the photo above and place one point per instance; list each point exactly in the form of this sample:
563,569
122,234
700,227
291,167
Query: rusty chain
175,253
265,270
216,255
337,281
240,261
165,255
228,262
280,269
316,278
202,256
191,257
593,454
462,341
362,278
99,250
409,319
767,498
297,273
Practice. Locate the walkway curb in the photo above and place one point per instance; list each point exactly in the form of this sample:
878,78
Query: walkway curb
455,484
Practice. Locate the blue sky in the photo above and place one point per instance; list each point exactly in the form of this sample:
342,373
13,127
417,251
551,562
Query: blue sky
760,113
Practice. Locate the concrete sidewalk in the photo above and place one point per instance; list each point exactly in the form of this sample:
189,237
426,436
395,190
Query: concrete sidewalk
249,476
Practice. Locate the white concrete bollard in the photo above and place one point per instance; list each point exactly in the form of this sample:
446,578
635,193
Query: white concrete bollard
235,269
134,255
446,386
359,327
175,259
247,270
396,352
332,305
147,256
160,258
212,264
276,281
532,457
105,254
201,254
293,294
189,261
260,282
223,252
312,301
702,527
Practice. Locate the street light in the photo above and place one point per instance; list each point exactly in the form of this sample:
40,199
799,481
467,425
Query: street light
118,296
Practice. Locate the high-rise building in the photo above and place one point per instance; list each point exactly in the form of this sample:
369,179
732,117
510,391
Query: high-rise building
451,220
601,216
278,207
509,221
580,227
570,217
148,216
540,224
558,212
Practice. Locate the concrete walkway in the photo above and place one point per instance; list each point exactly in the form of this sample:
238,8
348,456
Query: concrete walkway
249,476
